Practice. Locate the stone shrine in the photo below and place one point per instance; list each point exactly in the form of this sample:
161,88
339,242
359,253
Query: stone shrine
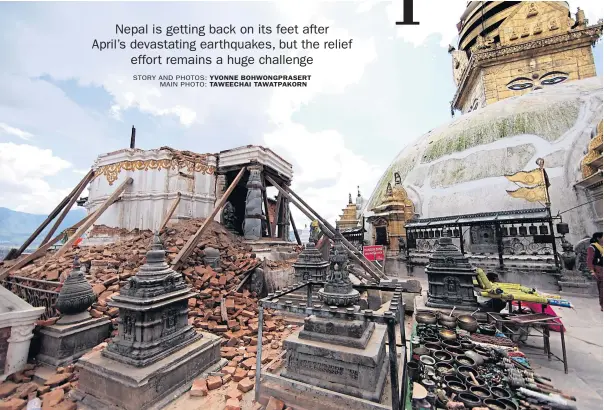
156,353
345,356
309,266
76,331
450,278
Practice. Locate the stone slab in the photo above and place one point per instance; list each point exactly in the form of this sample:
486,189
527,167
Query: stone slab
61,344
120,386
355,333
348,370
304,396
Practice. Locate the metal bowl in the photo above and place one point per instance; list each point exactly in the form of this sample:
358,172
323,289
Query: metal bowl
448,322
466,370
470,381
444,368
443,356
465,361
509,404
481,392
500,393
426,318
467,323
454,351
447,334
495,404
452,343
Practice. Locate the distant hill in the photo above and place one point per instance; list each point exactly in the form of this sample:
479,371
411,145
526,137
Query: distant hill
15,226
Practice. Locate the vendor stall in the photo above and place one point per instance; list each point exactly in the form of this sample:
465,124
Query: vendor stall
457,363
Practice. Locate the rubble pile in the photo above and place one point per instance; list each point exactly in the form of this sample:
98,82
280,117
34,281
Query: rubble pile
20,388
221,305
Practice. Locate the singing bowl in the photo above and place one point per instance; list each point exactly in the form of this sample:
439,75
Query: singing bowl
447,334
425,318
467,323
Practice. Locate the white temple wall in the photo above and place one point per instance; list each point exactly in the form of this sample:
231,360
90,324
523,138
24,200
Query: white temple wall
158,178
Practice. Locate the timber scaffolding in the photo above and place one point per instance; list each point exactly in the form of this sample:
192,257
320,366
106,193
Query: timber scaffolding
370,273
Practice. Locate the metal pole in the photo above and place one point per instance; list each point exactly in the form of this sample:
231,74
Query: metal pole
133,138
259,352
401,309
499,244
391,323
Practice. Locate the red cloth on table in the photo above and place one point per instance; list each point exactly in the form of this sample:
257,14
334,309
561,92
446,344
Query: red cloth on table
538,308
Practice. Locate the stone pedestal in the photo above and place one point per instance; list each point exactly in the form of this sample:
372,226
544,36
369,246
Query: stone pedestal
342,355
62,344
105,383
345,357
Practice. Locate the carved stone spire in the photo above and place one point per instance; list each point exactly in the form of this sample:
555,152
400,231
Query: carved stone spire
75,297
153,320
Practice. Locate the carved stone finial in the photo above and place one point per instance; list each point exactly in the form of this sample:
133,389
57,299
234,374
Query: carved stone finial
358,190
75,297
349,198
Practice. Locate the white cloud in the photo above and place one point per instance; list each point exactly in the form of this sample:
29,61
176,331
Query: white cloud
323,155
23,170
7,129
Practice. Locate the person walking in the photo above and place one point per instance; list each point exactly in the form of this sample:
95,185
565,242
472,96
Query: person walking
594,262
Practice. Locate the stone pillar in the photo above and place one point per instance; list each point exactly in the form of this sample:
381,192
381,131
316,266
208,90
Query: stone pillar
19,318
252,225
18,347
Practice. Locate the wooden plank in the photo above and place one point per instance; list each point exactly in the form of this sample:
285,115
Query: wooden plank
79,188
170,212
41,251
291,218
330,232
108,202
194,239
277,210
44,224
268,216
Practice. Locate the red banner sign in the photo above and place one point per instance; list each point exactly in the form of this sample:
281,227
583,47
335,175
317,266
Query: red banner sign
374,252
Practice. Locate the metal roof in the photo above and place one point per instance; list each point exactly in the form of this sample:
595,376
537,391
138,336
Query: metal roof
519,216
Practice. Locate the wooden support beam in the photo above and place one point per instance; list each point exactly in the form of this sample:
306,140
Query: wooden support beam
363,260
194,239
268,216
108,202
330,234
170,212
291,218
41,251
78,191
277,210
44,224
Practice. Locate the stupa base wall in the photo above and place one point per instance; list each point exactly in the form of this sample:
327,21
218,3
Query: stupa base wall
106,383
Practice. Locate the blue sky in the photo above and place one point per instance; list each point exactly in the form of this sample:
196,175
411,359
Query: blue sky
62,104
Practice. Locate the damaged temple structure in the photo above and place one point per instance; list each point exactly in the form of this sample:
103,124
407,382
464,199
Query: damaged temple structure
192,184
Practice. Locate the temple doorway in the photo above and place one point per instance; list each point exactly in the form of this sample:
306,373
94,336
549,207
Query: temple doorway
381,236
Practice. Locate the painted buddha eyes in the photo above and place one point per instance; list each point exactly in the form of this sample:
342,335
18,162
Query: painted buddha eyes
520,83
553,77
550,78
